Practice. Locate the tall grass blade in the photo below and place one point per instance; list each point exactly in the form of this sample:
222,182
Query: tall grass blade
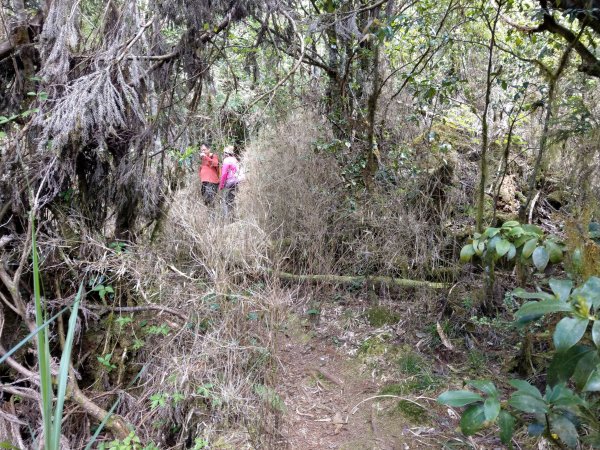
111,411
102,424
43,347
65,366
27,338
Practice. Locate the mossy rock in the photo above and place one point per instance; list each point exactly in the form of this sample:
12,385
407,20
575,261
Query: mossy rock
411,411
379,316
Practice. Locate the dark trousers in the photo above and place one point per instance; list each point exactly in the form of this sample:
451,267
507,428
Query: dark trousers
229,199
209,190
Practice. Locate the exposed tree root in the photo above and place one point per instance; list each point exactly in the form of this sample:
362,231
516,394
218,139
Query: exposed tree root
115,423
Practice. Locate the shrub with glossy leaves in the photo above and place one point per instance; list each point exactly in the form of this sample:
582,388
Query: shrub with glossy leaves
512,240
568,411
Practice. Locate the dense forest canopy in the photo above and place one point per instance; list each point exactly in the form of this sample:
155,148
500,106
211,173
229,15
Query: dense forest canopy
383,142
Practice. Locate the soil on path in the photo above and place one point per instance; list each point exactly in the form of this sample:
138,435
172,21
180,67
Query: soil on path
329,400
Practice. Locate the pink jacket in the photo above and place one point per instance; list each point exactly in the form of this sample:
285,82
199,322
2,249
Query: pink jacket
229,172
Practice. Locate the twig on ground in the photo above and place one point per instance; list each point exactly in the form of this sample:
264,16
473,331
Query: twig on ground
329,377
304,414
179,272
443,337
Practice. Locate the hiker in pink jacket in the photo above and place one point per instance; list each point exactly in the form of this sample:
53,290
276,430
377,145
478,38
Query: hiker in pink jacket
229,177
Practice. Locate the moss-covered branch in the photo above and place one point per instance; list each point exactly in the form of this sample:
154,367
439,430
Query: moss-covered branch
346,279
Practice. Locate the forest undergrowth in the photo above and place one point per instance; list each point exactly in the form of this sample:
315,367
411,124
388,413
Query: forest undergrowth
195,340
413,259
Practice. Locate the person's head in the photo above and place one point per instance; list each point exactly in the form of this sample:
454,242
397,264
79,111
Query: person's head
229,151
204,148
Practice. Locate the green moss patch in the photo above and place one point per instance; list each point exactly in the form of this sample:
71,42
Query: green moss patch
411,411
379,316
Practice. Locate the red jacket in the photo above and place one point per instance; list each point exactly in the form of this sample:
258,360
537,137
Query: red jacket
209,168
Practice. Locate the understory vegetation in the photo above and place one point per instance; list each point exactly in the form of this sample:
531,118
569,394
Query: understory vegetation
417,231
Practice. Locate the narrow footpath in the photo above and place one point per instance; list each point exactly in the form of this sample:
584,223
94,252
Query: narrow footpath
332,400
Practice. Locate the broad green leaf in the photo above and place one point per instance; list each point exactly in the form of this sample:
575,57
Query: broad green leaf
554,251
459,398
536,429
527,403
529,247
524,387
561,288
585,367
515,232
534,229
466,253
553,393
590,290
493,242
484,386
522,293
472,420
593,382
596,333
563,398
510,224
491,232
507,427
502,247
491,408
569,332
565,429
564,364
512,252
519,242
533,309
540,258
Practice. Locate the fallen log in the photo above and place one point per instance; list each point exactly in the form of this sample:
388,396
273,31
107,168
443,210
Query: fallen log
347,279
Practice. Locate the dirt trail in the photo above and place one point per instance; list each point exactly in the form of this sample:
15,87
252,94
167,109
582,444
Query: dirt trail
323,388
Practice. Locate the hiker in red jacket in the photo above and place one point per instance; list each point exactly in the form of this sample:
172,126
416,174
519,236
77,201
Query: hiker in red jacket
209,174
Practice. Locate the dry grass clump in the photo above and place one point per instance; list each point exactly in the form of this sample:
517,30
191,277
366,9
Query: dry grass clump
210,245
316,225
206,372
293,193
185,332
